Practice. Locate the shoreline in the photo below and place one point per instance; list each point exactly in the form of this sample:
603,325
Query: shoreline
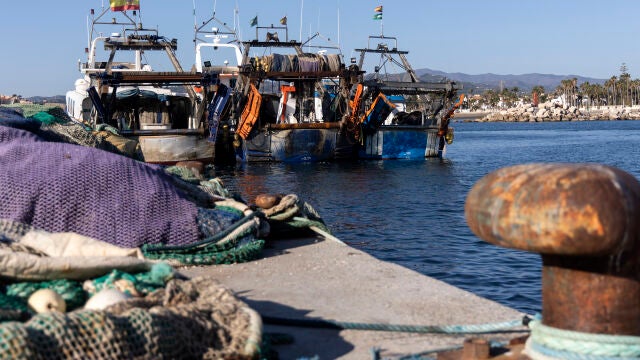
549,112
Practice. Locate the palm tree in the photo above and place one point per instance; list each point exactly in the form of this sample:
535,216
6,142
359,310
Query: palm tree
540,91
491,98
586,89
610,85
634,85
600,93
574,91
624,89
566,88
509,96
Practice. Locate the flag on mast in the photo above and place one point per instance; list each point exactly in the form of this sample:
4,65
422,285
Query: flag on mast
283,21
124,5
378,13
254,21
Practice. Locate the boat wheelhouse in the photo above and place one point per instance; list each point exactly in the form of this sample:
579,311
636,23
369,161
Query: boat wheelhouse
160,111
218,55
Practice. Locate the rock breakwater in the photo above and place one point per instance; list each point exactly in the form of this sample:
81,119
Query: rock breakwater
557,112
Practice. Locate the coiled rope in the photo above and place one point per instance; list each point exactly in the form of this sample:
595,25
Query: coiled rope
506,326
546,341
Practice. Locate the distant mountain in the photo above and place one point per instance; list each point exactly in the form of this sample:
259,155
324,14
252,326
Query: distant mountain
57,99
479,83
524,82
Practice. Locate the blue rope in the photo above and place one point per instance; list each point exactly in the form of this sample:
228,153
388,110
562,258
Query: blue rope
575,345
433,329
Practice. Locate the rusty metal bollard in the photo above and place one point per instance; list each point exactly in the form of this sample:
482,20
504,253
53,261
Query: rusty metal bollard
584,220
475,349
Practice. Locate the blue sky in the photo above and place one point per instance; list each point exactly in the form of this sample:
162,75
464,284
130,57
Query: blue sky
42,40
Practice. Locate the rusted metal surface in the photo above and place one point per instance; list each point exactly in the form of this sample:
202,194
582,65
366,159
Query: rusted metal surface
584,219
589,300
146,77
475,349
481,349
297,126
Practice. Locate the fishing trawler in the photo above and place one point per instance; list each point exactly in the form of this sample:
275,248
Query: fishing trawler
395,115
293,101
163,114
219,56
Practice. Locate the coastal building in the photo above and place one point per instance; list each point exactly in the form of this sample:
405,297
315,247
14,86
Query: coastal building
10,99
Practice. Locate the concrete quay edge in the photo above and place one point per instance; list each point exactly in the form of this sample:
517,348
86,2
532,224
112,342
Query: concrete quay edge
313,278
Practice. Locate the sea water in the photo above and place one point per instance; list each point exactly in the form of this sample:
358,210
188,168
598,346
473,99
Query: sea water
412,212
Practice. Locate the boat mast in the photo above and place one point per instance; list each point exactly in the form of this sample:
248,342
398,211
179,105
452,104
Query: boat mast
339,44
301,7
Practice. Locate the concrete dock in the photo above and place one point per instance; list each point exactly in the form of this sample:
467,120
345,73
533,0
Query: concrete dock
326,280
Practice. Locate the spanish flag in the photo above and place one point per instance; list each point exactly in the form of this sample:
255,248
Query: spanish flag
378,9
124,5
283,21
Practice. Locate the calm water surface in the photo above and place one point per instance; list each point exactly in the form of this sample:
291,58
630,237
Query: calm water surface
412,212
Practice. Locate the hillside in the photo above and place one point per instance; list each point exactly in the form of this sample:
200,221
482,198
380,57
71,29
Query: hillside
479,83
482,82
57,99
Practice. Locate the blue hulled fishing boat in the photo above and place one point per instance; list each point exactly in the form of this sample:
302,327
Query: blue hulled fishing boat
397,116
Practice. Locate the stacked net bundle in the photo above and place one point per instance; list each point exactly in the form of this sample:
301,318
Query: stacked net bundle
53,124
61,187
309,63
331,62
297,63
194,318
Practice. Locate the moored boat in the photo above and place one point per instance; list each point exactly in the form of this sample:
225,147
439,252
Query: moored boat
294,101
219,55
158,111
397,116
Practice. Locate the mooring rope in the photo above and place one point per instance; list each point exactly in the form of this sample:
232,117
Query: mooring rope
506,326
574,345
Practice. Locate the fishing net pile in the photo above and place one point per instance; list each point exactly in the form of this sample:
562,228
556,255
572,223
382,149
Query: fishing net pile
54,185
297,63
63,187
169,318
76,220
80,221
53,124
